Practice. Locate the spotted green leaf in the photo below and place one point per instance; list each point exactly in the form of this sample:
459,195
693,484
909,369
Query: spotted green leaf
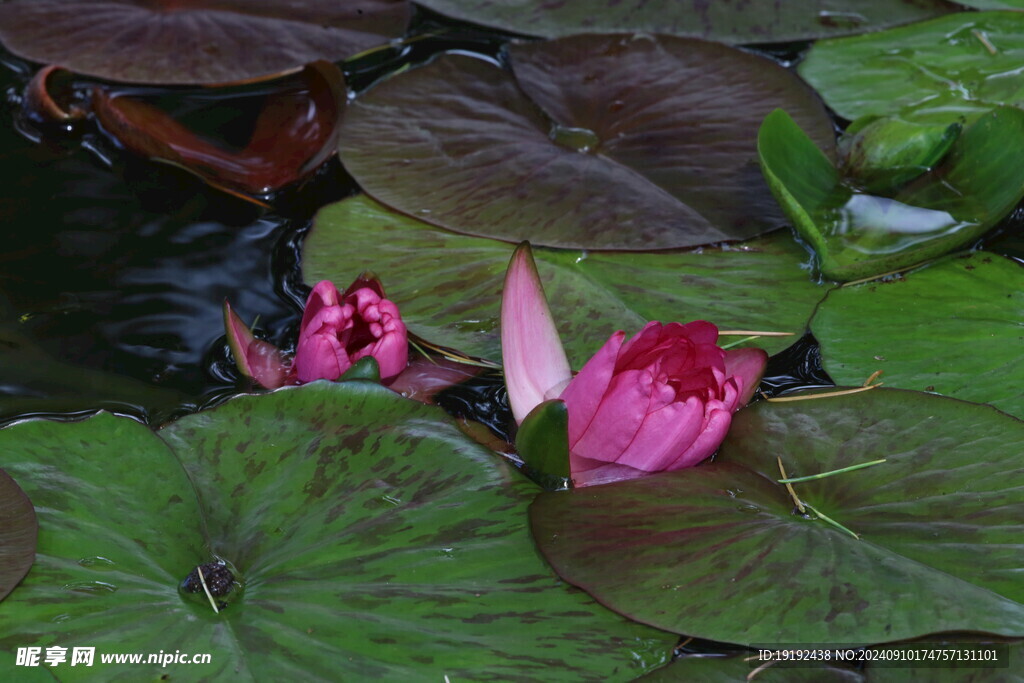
371,539
720,551
448,286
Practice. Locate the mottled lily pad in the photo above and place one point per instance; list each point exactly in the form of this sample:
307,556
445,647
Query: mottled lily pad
368,537
857,235
293,134
719,551
729,21
953,328
941,70
448,286
18,530
592,141
195,41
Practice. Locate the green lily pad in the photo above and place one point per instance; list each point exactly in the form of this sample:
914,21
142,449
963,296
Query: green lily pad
369,537
448,286
719,552
195,41
857,235
592,141
960,65
952,328
756,21
18,529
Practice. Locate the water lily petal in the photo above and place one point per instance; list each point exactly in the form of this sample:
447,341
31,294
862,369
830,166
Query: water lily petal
747,364
709,439
256,359
324,295
321,356
584,393
617,419
664,434
531,351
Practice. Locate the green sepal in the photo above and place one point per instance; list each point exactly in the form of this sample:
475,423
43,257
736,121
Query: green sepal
543,444
364,368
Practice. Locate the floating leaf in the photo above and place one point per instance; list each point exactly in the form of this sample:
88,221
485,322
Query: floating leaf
953,328
719,552
368,536
294,133
198,41
753,21
955,66
18,529
594,141
857,235
448,286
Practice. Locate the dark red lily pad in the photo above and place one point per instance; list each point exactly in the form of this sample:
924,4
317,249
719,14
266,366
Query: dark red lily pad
294,133
18,531
728,21
195,41
594,141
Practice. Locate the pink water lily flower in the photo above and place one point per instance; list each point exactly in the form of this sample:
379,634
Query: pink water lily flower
337,329
661,401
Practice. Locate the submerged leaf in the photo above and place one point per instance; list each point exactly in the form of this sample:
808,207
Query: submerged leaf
294,133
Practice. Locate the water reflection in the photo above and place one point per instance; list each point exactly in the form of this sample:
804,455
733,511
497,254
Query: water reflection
879,225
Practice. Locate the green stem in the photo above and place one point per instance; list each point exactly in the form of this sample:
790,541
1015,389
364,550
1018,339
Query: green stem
851,468
829,520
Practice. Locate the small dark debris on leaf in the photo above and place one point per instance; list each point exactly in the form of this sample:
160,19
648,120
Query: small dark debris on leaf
219,579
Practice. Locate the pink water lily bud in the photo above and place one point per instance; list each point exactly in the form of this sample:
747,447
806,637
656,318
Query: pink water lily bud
338,329
256,359
536,368
661,401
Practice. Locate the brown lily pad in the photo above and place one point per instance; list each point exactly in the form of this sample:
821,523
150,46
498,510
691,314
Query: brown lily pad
195,41
728,21
592,141
18,531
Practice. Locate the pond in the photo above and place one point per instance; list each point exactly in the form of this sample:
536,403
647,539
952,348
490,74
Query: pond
747,391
